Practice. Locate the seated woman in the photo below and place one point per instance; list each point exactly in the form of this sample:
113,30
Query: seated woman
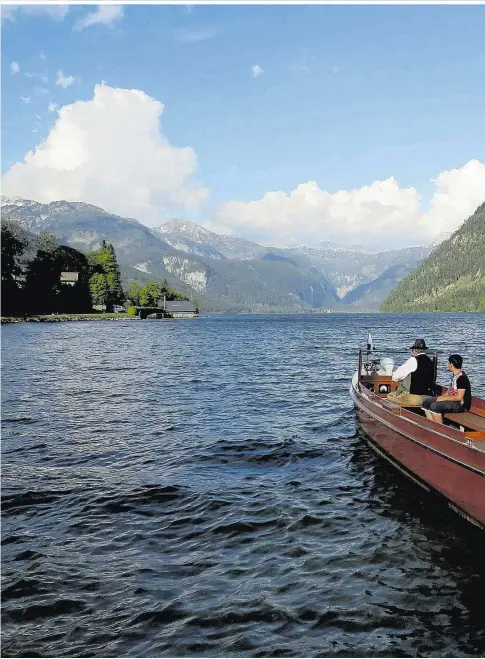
457,398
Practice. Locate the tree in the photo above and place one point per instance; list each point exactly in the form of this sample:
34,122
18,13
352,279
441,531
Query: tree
114,277
44,291
98,287
150,294
103,262
13,246
170,293
133,292
46,242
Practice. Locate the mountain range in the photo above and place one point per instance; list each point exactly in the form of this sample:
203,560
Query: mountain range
226,273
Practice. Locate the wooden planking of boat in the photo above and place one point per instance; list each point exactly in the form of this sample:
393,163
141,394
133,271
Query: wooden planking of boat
448,458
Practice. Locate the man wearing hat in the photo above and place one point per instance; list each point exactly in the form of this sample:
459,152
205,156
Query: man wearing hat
416,376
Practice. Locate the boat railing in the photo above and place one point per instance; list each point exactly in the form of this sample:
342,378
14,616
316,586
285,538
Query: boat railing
380,361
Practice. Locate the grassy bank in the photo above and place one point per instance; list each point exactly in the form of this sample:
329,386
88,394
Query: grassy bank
67,317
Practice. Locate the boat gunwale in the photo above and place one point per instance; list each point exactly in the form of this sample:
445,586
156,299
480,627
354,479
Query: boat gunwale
377,401
414,440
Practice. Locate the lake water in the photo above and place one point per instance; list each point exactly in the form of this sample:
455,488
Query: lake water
199,488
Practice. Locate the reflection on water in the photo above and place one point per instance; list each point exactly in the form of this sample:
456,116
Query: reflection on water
200,488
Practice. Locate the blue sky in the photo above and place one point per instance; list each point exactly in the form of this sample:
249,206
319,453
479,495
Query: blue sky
345,96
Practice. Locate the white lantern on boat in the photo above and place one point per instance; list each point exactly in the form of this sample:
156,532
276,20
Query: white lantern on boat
387,364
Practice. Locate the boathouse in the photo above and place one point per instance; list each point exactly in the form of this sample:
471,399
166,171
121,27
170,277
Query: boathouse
179,308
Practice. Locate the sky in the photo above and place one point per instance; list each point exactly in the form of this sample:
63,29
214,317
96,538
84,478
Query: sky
283,125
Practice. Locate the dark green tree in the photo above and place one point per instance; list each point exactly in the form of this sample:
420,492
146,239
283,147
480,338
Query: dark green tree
46,242
44,290
13,246
170,293
104,262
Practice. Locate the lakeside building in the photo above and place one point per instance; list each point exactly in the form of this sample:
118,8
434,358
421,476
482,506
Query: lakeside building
179,308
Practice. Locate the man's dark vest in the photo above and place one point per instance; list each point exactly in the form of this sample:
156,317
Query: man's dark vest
423,377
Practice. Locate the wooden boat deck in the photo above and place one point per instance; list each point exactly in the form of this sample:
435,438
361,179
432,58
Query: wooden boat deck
468,420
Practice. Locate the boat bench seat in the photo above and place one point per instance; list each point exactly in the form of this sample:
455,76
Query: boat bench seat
467,420
475,436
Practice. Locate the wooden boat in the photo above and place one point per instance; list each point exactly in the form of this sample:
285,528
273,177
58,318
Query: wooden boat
448,459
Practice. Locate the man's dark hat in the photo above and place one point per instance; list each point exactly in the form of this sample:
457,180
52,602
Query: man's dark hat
419,344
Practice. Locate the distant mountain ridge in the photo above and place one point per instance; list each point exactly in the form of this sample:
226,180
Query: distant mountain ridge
452,278
348,269
83,226
226,273
183,235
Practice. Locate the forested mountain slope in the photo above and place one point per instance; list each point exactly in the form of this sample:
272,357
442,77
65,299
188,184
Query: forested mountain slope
452,278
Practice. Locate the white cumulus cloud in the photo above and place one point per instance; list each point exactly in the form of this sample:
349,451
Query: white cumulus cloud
256,71
64,81
379,214
458,192
26,99
104,14
110,152
14,68
52,107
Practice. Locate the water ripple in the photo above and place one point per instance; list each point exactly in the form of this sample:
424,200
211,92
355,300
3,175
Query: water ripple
201,489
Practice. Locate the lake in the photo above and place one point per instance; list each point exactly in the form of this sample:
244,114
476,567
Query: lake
200,488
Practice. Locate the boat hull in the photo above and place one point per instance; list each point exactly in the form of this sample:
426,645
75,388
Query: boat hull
436,458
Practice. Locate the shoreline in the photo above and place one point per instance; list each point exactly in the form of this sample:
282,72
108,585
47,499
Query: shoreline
66,317
61,318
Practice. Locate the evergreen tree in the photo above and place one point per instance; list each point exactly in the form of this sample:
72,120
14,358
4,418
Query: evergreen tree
114,277
13,246
98,287
106,284
42,284
46,242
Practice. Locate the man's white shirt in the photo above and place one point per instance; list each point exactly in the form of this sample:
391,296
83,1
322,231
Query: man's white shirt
405,369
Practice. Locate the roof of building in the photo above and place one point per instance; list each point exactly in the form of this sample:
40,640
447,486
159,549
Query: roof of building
69,276
180,305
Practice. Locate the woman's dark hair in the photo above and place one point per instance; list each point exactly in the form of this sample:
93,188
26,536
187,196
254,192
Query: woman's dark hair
456,360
